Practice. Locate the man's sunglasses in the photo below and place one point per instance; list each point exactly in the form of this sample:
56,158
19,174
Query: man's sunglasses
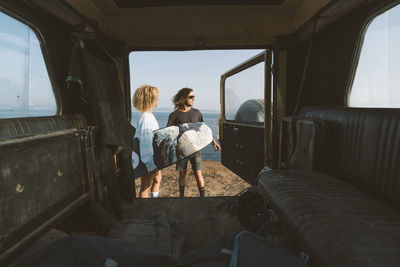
191,97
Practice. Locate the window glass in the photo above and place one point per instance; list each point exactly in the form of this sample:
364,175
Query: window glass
244,95
25,88
377,80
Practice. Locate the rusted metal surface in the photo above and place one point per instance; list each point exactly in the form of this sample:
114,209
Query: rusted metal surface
35,177
43,170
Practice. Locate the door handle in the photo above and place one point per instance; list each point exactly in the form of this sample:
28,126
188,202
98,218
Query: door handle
235,129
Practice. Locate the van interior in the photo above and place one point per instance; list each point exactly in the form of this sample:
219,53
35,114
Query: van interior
321,148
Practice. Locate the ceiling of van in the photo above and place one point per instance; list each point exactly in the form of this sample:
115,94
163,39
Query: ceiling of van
153,3
154,24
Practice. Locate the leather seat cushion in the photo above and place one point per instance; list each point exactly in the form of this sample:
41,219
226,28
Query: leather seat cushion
333,221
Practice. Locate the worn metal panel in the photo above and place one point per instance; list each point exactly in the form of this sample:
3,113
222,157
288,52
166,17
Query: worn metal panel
39,175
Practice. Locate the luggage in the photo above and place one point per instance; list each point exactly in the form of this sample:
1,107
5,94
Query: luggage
250,209
243,249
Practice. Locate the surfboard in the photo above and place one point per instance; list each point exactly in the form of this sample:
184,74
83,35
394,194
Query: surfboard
172,144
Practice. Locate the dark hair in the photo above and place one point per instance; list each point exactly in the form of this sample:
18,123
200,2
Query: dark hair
179,99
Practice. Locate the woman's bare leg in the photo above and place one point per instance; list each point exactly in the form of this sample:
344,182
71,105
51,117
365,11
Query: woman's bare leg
155,188
145,185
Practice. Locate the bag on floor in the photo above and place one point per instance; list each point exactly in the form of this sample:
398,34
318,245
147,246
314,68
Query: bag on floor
250,209
242,249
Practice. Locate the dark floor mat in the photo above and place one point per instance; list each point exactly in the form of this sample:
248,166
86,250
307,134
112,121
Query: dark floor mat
80,250
158,232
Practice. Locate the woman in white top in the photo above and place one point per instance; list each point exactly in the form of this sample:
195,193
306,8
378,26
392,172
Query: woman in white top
144,100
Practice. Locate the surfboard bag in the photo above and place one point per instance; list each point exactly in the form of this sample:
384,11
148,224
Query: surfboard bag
140,169
305,144
172,144
242,249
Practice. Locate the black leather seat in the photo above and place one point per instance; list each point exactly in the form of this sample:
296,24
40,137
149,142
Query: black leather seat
349,217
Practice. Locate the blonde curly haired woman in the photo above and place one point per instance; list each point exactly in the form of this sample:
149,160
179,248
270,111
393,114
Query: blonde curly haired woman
144,100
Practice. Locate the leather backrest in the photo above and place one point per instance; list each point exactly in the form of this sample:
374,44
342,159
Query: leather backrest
366,148
23,127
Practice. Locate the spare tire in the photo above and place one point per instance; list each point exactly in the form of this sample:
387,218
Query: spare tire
251,110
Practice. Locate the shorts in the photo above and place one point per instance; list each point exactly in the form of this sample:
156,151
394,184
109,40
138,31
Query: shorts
195,160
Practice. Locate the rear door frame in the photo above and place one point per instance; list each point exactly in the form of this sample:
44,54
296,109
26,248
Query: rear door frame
267,57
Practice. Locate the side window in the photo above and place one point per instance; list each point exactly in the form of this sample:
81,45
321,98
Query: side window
244,95
25,88
377,80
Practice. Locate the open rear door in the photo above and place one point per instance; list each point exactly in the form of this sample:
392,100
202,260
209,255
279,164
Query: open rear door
245,123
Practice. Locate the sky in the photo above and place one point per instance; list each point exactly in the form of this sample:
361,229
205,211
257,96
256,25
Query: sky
24,81
199,70
377,80
25,85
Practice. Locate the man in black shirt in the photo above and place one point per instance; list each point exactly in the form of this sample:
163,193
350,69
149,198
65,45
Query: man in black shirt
184,113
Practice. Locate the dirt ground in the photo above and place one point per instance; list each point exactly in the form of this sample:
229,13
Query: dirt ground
219,181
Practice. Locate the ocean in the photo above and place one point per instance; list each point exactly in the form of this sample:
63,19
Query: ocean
211,119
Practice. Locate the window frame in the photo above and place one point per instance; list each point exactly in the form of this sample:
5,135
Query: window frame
257,59
45,54
358,48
